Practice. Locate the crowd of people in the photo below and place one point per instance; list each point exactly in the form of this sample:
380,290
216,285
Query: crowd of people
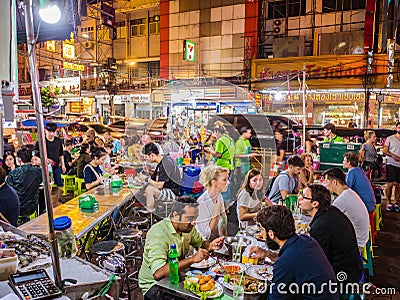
339,207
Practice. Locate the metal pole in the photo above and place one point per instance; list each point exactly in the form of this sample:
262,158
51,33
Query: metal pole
303,142
37,100
1,134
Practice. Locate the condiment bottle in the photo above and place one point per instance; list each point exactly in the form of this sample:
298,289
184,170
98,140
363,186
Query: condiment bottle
65,237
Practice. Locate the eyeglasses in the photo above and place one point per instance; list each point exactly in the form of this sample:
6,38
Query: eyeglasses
307,198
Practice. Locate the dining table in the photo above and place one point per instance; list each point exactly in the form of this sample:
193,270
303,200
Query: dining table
82,222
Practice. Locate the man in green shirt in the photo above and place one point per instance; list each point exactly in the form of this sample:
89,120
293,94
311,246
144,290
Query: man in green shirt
330,134
179,229
225,155
242,156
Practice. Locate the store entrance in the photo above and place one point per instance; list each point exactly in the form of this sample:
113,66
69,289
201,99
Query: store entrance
340,115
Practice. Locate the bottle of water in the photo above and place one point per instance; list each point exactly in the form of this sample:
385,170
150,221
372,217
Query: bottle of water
106,183
173,264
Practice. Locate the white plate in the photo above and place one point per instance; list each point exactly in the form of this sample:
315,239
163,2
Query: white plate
204,263
228,263
231,287
217,288
253,271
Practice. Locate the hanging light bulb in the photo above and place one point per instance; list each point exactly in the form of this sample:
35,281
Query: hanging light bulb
49,13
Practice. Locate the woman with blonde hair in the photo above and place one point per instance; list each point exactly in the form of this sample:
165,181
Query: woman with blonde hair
306,176
248,203
212,220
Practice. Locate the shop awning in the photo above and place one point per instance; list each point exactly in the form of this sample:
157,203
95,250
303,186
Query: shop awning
32,123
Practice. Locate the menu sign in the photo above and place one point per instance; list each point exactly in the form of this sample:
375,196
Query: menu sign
69,86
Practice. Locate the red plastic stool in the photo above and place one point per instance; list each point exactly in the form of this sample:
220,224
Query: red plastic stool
374,233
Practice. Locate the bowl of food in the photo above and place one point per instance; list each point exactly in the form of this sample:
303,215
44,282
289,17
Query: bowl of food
228,267
251,285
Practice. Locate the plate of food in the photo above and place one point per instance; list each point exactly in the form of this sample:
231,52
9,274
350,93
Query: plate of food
203,286
228,268
250,284
262,272
205,263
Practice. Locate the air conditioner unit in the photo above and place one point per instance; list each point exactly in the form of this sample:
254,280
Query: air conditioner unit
88,44
279,27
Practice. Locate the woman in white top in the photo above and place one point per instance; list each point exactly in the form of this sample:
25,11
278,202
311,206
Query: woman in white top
248,204
212,220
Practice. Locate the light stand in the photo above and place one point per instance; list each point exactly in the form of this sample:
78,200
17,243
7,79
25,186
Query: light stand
37,100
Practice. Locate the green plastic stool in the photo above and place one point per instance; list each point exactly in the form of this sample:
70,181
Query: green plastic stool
69,183
78,190
367,258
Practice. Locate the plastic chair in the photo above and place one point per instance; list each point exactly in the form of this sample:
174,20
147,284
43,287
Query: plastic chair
367,258
69,183
378,217
34,215
78,190
373,232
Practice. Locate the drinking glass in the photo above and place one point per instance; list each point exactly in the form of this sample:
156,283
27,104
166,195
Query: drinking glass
238,292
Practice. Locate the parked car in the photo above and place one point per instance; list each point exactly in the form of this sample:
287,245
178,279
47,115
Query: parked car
156,128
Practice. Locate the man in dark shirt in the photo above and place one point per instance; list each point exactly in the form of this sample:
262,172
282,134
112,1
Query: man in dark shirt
301,262
333,231
25,180
9,203
55,156
164,182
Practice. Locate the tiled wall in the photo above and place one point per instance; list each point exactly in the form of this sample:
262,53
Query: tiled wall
218,29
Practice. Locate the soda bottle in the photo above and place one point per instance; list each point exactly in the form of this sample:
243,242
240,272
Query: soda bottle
173,264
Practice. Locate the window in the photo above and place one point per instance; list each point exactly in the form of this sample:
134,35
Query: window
340,5
88,32
103,33
138,27
293,8
121,30
154,25
154,69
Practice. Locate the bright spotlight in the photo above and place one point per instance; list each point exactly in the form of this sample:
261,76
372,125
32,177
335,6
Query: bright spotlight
50,14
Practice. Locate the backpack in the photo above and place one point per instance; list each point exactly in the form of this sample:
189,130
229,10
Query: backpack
271,183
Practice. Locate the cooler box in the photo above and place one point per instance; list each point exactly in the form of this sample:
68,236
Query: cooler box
191,175
331,154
